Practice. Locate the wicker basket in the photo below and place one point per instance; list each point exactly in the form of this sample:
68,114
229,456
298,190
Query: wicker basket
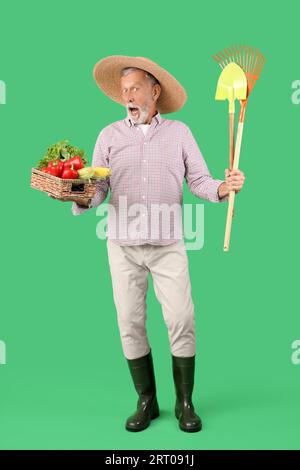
62,188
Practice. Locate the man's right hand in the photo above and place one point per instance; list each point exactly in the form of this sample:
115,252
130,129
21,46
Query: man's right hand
80,201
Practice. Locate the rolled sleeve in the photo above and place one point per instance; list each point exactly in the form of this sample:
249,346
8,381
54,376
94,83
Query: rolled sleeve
197,175
100,158
224,198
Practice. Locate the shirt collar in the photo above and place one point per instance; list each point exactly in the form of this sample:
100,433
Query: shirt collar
157,118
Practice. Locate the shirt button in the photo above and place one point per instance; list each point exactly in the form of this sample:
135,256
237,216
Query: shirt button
144,161
145,143
143,196
144,179
143,215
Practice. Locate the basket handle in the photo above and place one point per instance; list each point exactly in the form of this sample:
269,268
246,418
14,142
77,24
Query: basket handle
77,188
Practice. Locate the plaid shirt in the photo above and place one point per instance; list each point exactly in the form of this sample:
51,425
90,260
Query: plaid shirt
148,171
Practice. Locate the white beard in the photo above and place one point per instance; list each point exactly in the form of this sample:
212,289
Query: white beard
144,112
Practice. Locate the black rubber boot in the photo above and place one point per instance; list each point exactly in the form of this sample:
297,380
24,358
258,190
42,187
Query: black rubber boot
142,373
183,374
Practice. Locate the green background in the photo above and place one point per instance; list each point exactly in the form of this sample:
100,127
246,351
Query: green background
66,384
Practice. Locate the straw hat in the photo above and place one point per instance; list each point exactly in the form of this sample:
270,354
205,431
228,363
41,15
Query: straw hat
107,73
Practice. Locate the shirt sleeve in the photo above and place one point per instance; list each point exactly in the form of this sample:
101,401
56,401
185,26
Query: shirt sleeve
100,158
197,175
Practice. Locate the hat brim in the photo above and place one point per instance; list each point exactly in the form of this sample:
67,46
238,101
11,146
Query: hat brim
107,73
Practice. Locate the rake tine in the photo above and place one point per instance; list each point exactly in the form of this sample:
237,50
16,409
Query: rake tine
256,62
239,56
221,60
233,54
227,52
217,60
245,56
236,55
262,61
248,55
249,59
224,58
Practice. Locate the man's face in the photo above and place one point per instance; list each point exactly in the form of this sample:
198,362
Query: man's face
138,92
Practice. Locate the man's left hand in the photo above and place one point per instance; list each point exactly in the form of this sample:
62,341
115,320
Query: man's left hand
234,180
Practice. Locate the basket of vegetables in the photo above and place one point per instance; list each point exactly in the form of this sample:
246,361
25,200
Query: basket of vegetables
64,172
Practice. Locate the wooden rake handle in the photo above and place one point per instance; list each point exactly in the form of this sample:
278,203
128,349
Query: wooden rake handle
231,140
231,143
232,193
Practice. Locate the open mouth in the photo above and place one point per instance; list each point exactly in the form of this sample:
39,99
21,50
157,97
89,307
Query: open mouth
134,111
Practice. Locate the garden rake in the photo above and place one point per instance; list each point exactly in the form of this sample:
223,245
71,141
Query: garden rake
251,61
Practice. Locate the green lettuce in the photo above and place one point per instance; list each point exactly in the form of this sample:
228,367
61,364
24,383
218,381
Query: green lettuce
61,151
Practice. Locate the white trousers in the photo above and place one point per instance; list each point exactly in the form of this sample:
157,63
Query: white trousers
168,265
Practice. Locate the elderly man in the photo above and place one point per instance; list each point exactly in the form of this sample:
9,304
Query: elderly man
150,157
